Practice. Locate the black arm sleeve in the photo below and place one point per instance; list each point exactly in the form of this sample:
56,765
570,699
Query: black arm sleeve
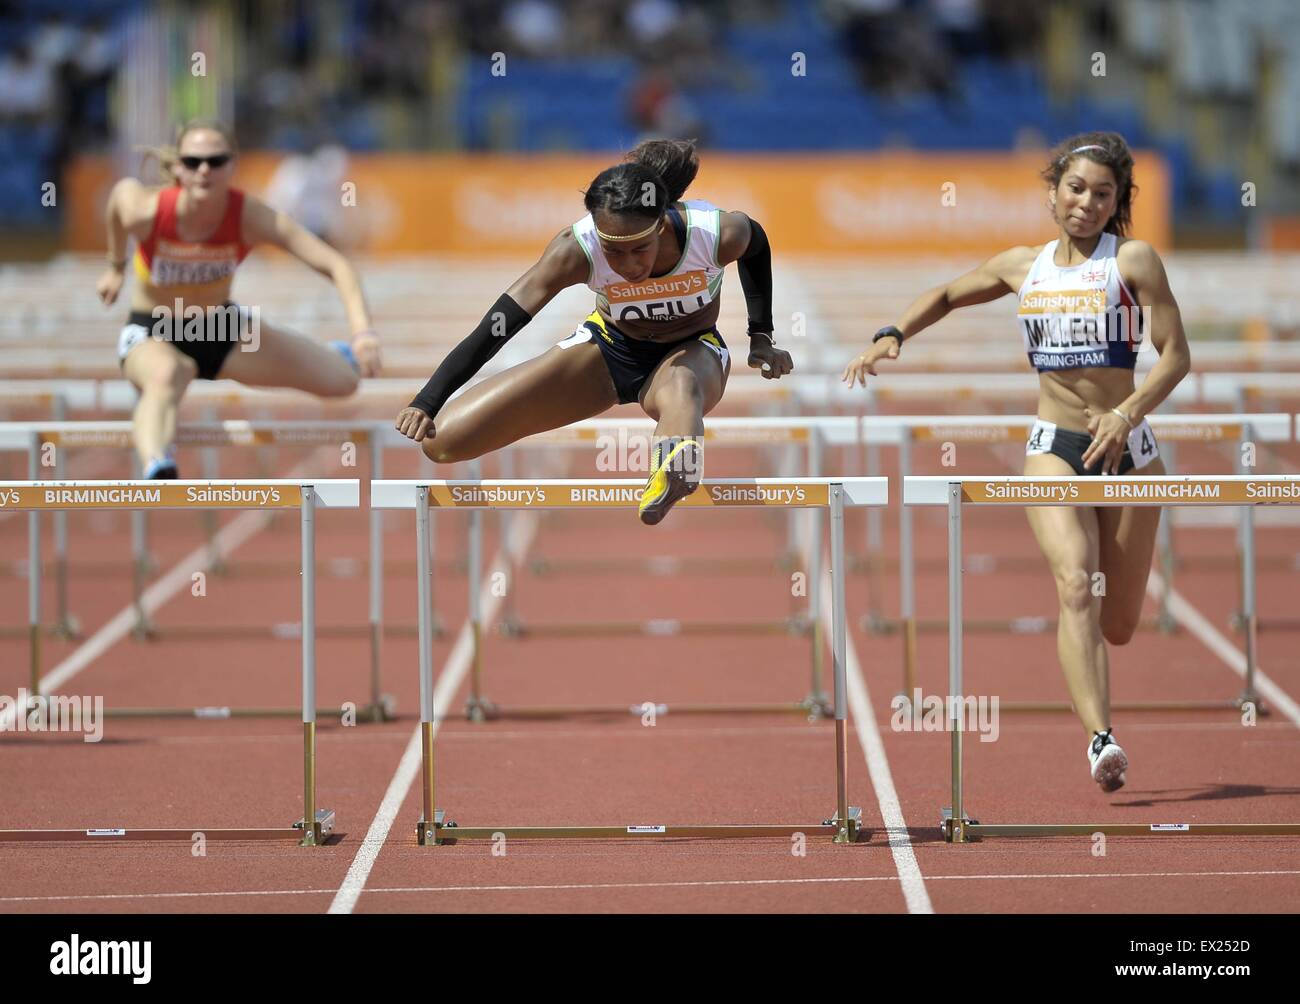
498,326
755,267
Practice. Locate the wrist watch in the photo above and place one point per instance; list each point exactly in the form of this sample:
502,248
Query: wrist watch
889,331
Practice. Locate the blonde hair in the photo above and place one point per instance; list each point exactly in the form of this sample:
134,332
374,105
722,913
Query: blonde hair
169,156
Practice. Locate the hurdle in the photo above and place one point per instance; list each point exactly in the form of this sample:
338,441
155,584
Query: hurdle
809,432
1156,490
40,439
835,494
36,497
812,433
1211,428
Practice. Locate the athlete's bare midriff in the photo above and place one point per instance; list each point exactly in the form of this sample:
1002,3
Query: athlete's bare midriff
1063,395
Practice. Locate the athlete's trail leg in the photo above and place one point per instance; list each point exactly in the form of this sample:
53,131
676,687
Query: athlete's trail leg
279,358
561,386
1128,539
160,373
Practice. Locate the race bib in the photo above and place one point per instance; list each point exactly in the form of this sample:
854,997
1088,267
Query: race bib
1040,438
1142,445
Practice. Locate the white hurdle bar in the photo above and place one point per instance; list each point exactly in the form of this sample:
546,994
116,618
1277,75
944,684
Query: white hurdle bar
1162,490
305,495
837,494
986,430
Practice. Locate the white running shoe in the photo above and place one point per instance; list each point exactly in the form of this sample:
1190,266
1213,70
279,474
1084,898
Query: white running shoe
1108,761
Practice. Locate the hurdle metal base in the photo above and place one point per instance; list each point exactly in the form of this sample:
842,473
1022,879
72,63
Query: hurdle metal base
815,707
65,630
662,565
970,830
876,624
282,631
320,830
442,831
1235,705
514,628
383,711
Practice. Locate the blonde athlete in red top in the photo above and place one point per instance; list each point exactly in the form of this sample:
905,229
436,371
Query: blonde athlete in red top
1074,294
190,237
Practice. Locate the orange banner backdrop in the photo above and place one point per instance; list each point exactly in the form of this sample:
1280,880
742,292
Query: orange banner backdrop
889,203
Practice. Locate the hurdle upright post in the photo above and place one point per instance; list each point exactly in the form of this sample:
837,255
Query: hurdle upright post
477,708
429,819
139,562
1250,621
376,574
309,835
509,620
839,653
906,571
211,471
64,625
34,581
957,819
816,701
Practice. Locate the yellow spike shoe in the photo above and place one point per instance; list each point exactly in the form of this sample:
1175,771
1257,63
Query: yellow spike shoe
676,466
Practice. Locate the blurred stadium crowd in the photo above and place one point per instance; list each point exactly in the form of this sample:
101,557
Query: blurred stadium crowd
1213,84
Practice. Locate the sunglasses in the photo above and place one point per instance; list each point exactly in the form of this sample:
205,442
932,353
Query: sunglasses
217,160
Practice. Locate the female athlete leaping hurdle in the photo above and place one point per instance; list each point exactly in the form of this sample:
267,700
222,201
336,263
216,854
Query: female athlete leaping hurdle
655,264
1076,293
190,237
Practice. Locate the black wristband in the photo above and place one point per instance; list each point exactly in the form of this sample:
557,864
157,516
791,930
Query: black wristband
498,326
889,331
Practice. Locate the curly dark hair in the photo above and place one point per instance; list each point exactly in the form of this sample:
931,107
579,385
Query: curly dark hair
1110,150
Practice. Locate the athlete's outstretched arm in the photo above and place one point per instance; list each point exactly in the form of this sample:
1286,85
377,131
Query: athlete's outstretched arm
128,207
1144,273
744,241
562,264
262,224
997,277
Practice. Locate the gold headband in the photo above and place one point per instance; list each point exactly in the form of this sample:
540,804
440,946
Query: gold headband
631,237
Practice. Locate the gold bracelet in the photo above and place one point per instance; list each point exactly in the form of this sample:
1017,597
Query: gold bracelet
1127,421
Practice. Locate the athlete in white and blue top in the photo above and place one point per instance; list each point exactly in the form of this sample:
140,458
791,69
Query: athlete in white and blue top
655,264
1090,301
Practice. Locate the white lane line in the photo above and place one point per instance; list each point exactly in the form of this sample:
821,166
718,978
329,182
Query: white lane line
882,781
1216,642
523,528
844,879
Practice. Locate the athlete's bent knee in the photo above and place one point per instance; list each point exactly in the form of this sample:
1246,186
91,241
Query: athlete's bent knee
341,384
1119,630
168,376
446,450
1074,588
